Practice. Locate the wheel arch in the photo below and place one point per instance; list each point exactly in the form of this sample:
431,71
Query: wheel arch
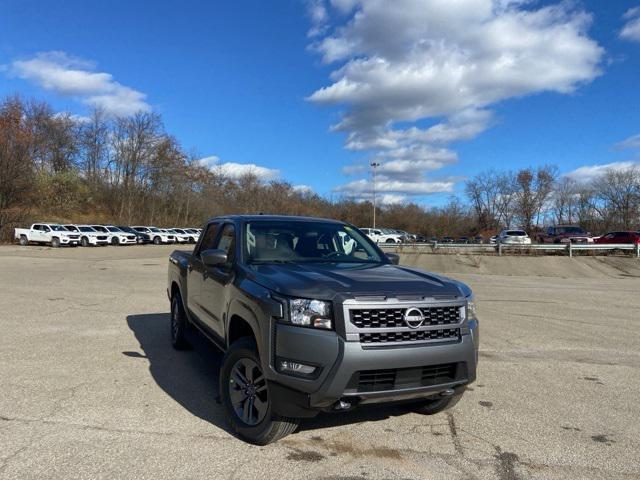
242,322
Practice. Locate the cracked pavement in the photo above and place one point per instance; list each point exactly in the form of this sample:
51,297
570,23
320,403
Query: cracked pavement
90,387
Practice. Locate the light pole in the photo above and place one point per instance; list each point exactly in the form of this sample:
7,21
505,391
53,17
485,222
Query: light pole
374,165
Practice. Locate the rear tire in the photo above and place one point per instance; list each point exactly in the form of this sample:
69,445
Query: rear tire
437,405
55,242
24,241
179,324
241,373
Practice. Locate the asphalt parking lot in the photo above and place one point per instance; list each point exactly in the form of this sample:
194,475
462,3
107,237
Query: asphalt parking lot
90,387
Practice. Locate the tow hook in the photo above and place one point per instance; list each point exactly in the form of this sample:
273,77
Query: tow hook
342,405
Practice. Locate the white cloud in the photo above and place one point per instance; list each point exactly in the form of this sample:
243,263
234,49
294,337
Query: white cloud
364,188
72,77
235,171
588,173
303,188
318,15
631,29
629,143
446,62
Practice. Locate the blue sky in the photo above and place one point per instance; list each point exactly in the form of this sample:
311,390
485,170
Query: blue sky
551,83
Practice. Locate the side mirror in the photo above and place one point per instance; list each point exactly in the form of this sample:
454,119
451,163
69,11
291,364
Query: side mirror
394,258
213,257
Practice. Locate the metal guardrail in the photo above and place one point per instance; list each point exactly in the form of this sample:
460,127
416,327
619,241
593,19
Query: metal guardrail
501,248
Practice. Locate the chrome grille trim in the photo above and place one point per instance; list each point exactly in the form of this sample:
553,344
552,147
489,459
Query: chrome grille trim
354,333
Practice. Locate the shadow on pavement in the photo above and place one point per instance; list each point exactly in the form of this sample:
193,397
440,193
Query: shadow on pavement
191,377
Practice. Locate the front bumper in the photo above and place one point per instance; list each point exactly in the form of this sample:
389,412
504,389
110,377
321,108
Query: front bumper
341,361
69,241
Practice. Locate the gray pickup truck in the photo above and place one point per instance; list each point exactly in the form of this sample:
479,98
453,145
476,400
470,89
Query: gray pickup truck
313,317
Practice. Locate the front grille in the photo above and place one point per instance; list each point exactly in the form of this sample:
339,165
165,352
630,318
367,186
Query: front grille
403,378
394,317
74,237
445,334
102,237
131,237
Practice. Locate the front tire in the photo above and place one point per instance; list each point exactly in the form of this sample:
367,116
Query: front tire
156,240
245,396
437,405
55,242
115,241
179,324
84,241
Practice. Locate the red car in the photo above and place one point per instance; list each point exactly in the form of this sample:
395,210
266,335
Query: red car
619,237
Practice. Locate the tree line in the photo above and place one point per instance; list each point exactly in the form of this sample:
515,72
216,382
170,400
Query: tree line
129,170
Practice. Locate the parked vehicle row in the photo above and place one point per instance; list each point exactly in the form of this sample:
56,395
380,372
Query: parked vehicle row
559,234
74,235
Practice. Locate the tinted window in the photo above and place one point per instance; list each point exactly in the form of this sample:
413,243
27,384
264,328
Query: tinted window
227,243
209,237
516,233
300,241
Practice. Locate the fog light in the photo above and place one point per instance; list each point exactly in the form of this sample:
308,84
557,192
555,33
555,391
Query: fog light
288,366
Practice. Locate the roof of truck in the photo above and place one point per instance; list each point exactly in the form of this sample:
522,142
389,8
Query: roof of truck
277,218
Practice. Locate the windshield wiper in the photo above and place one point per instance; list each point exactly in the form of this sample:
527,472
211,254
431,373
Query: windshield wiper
263,262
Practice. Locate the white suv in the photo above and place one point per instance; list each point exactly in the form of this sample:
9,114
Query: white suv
89,235
513,237
157,235
382,235
181,235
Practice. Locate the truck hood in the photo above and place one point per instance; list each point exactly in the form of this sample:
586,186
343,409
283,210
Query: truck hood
331,280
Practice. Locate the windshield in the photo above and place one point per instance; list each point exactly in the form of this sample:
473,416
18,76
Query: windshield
177,230
304,241
58,228
86,229
156,230
516,233
114,229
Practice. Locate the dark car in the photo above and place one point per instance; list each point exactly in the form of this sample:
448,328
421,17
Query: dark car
313,317
478,239
619,237
447,240
565,234
141,238
463,240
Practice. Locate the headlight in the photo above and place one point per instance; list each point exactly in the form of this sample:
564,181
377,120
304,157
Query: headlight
471,307
310,313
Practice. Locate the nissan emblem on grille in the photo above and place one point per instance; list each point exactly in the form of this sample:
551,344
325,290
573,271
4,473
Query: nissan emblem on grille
413,317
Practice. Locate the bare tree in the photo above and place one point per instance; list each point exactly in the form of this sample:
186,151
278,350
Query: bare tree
16,167
619,194
534,189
